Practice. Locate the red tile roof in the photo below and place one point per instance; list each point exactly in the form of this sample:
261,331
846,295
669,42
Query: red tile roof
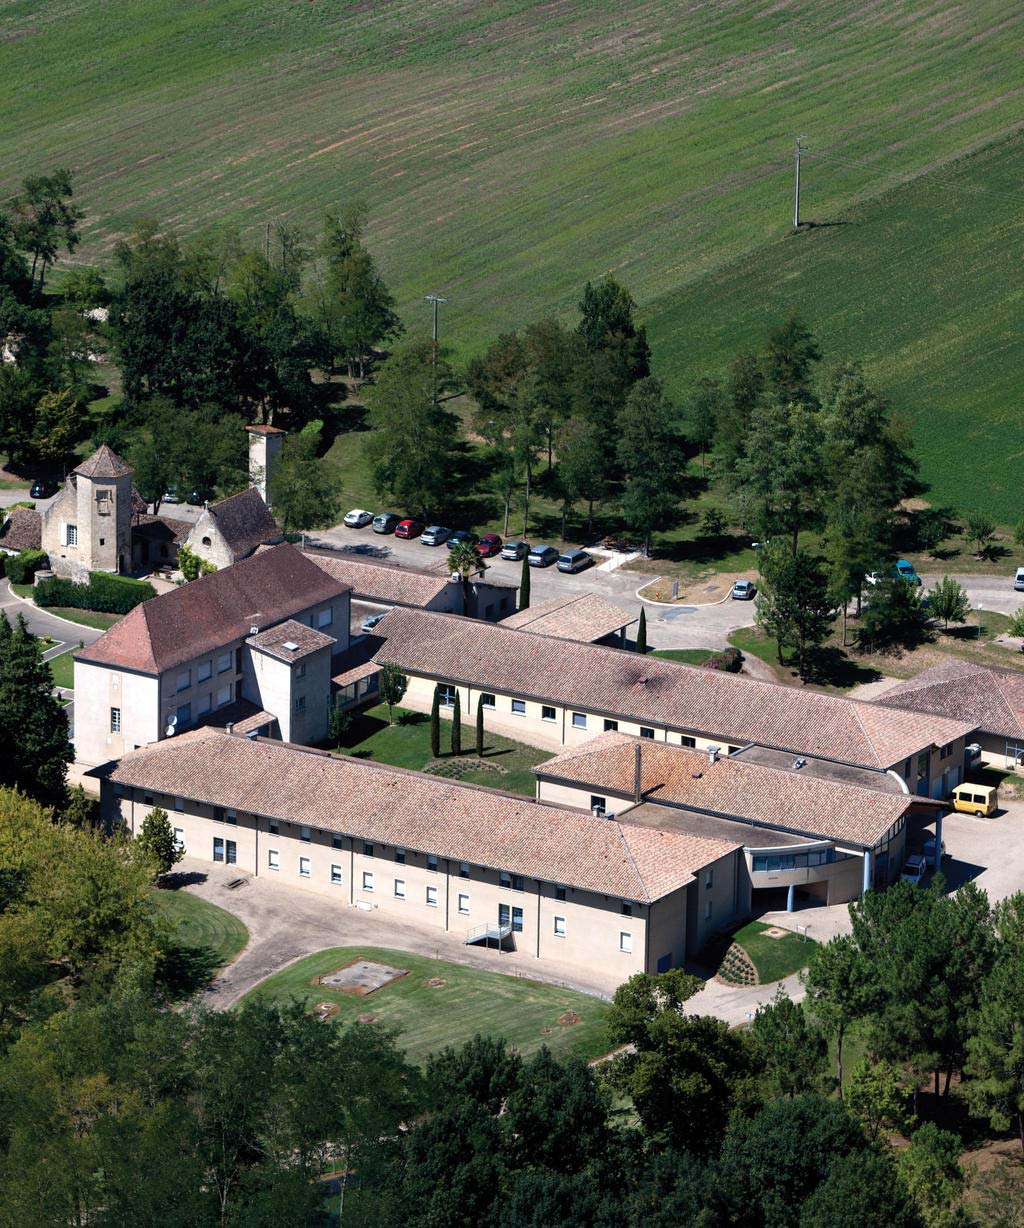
290,641
213,611
383,582
578,616
104,463
990,697
22,530
245,522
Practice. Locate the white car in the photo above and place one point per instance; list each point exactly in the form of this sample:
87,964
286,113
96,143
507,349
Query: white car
915,870
357,518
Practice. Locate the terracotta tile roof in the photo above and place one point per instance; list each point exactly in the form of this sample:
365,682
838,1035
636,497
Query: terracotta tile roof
581,616
989,697
355,663
411,810
766,796
265,430
245,522
242,715
594,678
212,611
104,463
374,580
290,641
22,530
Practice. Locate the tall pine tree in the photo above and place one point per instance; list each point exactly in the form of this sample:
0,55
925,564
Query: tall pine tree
33,725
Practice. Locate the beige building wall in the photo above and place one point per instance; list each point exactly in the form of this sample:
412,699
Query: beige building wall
99,694
207,541
99,511
298,693
583,930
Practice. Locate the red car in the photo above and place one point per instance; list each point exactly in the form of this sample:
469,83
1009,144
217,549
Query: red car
408,528
489,545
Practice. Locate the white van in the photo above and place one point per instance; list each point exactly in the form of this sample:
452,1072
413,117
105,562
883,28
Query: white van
1018,580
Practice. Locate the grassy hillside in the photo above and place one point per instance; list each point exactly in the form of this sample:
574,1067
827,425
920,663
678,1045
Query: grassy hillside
510,149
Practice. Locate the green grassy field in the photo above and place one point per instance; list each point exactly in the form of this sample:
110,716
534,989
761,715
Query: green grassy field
774,958
510,150
524,1013
690,656
406,743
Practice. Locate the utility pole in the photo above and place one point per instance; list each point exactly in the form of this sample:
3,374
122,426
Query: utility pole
796,188
436,299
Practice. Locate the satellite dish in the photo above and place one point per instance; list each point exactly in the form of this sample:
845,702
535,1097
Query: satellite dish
172,720
169,732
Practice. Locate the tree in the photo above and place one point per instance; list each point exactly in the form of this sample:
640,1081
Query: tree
860,1190
980,531
480,727
466,561
57,427
524,584
45,219
793,603
192,565
156,838
779,480
838,990
930,1167
712,523
415,436
606,323
188,450
1016,626
435,724
877,1098
393,684
457,724
641,632
85,289
33,725
703,410
743,391
893,615
1018,533
81,811
787,1046
582,464
305,490
948,601
790,354
649,454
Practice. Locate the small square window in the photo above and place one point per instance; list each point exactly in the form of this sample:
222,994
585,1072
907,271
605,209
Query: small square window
504,880
205,704
399,888
709,879
300,703
547,713
115,720
517,882
625,942
305,835
367,880
486,701
273,827
559,927
627,909
337,842
432,863
367,850
446,695
463,904
179,837
598,803
463,870
336,874
609,725
147,799
559,893
646,731
179,803
519,707
273,861
432,897
400,856
218,814
304,867
230,816
204,670
685,740
579,720
184,680
223,662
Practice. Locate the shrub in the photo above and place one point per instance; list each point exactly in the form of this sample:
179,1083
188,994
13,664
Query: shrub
192,566
730,661
108,594
22,568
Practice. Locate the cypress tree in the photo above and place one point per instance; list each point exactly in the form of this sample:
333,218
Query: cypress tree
524,584
480,727
435,724
641,632
457,724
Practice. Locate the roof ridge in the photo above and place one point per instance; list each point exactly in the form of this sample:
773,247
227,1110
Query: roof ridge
1002,695
632,859
863,728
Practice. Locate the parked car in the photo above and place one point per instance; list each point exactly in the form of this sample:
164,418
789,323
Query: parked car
170,496
371,620
743,590
462,537
490,545
386,522
409,529
902,568
42,488
515,550
434,535
573,561
1018,579
358,518
915,869
929,849
542,556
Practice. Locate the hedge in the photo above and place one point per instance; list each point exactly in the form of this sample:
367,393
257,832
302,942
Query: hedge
106,593
22,568
730,661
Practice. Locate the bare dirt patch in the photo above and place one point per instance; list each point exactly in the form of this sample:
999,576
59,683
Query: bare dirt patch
367,1018
568,1018
436,982
361,977
774,932
324,1011
705,590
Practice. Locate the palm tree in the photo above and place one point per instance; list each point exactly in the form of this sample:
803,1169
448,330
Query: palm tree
465,560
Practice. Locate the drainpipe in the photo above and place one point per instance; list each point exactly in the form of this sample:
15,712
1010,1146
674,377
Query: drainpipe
351,870
538,915
790,899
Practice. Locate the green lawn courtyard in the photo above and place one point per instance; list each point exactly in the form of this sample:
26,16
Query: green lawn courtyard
406,743
430,1016
774,958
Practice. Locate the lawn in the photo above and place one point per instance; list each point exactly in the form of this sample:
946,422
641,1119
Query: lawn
654,140
689,656
205,937
523,1012
62,668
406,743
774,958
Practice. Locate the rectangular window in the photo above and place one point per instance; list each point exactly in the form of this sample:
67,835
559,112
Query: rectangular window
559,893
487,701
464,904
518,707
625,942
547,713
646,731
304,867
399,888
223,662
517,920
300,703
337,842
230,816
204,670
184,680
432,897
325,617
505,880
147,799
179,803
218,814
627,909
305,835
232,852
446,695
579,720
218,848
272,826
709,879
205,704
300,670
71,535
336,875
463,870
179,837
559,927
609,725
685,740
224,696
598,803
517,882
367,850
432,863
184,714
273,860
115,720
400,856
367,880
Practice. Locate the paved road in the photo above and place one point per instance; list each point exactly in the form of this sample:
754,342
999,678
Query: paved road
42,622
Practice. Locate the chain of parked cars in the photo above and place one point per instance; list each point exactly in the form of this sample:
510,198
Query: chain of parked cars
487,546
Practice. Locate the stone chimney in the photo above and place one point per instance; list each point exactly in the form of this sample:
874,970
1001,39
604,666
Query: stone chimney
638,775
265,443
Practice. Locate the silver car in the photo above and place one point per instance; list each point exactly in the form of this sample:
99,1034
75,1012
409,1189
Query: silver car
358,518
743,590
434,535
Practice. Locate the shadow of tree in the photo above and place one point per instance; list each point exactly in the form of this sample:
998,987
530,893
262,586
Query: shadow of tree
831,666
184,970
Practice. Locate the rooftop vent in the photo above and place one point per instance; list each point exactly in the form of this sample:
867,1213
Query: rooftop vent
696,775
798,764
713,753
253,629
228,727
290,645
597,812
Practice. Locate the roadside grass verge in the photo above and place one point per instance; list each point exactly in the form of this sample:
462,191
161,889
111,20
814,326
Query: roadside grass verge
524,1013
689,656
62,669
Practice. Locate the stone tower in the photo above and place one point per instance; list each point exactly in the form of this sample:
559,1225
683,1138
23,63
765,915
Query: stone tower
265,443
88,527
